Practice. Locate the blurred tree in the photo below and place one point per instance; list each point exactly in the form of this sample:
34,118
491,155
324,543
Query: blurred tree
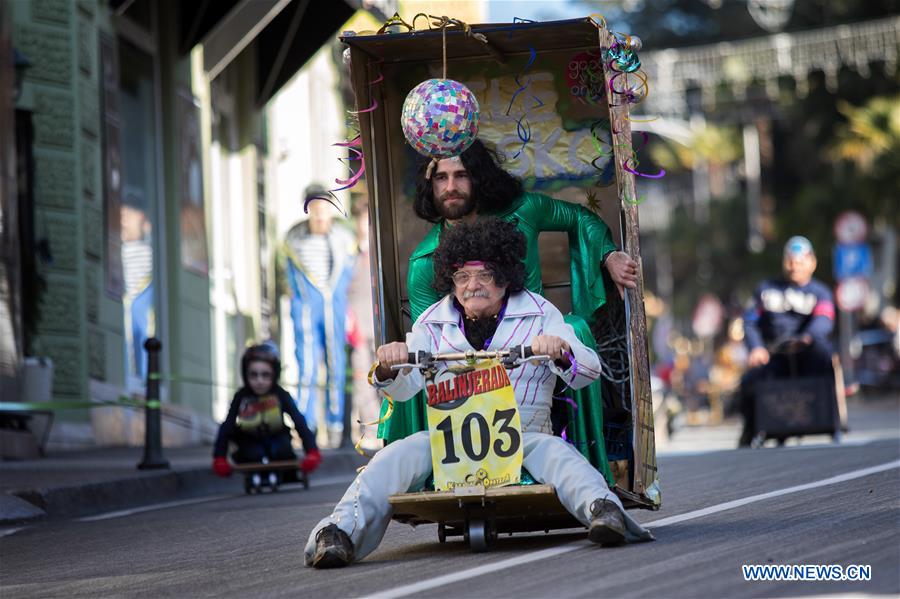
871,131
830,149
677,23
736,269
870,141
716,145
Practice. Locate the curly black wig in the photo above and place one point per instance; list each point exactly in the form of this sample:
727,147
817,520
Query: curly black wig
493,189
493,241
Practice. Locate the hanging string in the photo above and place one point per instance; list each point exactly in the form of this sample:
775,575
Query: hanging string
444,23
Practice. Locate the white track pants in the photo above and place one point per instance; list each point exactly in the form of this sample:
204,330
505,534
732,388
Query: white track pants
364,512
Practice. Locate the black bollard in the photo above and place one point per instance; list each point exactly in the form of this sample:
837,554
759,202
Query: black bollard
153,458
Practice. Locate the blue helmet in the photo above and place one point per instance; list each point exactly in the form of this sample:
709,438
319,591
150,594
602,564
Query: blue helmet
798,245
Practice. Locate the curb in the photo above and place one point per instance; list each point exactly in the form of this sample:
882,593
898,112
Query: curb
83,500
33,504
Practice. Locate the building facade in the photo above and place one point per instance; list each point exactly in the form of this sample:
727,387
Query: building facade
145,190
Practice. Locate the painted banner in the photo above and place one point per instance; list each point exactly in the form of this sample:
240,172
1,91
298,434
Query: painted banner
546,113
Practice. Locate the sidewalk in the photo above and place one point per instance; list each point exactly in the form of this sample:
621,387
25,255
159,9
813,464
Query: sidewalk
71,484
869,418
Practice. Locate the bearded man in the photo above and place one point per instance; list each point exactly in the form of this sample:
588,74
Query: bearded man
474,184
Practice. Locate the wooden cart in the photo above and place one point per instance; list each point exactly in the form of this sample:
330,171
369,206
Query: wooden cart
559,157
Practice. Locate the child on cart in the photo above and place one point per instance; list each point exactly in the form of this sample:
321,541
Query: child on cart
255,421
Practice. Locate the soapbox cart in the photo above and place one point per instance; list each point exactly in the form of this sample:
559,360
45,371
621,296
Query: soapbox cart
546,104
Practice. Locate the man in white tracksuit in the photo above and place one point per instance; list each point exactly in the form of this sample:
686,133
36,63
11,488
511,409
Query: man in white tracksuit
487,307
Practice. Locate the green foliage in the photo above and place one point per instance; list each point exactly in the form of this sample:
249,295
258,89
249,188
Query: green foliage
713,257
715,145
678,23
868,143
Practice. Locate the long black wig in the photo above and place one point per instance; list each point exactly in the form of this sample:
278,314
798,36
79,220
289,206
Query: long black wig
493,189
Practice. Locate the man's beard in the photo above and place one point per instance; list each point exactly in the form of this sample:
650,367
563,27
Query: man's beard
458,210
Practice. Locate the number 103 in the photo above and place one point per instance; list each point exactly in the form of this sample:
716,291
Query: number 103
506,441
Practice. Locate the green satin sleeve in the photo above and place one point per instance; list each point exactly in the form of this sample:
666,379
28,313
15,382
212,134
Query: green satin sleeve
419,285
409,416
589,241
420,276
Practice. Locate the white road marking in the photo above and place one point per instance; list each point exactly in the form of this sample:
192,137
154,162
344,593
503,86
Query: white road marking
315,482
152,507
512,562
8,531
729,505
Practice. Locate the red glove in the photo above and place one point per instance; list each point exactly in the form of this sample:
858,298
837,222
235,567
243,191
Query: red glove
311,461
221,467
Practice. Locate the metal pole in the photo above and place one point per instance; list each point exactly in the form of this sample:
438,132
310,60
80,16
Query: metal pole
845,336
153,458
346,438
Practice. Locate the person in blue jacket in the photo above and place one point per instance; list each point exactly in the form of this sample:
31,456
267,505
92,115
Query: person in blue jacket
796,310
255,421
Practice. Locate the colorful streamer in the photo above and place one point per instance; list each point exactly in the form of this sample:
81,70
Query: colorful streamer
353,147
523,127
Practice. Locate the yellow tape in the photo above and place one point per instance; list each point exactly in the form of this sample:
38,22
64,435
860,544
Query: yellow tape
370,378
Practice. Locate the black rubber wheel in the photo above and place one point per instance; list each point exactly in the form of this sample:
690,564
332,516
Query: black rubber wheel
478,537
442,532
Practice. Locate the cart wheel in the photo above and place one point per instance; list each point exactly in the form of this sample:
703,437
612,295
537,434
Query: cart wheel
248,487
305,480
758,440
478,540
442,532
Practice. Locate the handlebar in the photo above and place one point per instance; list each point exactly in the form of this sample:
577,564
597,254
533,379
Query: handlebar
789,344
511,358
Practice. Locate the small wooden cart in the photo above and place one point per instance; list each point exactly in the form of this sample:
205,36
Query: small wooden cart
268,475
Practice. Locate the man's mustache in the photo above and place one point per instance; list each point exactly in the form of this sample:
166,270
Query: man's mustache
476,293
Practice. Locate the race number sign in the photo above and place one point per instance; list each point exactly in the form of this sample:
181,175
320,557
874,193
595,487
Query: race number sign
475,430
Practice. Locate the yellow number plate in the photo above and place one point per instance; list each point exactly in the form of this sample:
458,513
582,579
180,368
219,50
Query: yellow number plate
476,432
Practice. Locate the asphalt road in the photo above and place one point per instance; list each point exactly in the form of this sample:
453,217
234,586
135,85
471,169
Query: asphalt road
251,545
